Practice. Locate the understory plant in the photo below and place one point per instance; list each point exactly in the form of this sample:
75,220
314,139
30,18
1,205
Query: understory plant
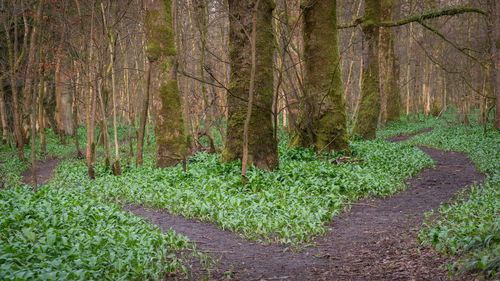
288,205
66,234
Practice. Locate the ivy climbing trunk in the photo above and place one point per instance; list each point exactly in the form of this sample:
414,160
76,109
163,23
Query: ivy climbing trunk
171,140
369,104
388,67
322,114
262,147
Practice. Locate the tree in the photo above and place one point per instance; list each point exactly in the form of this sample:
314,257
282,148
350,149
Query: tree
494,47
171,141
369,106
322,114
262,146
388,67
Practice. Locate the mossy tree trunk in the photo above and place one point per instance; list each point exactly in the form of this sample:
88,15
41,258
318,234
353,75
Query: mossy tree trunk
389,68
369,106
262,147
322,114
171,140
494,46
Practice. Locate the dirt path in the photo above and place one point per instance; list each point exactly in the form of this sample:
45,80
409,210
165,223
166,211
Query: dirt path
376,240
44,172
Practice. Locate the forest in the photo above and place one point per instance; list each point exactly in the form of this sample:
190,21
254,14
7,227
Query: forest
250,139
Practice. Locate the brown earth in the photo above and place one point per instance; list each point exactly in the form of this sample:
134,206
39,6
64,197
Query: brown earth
44,172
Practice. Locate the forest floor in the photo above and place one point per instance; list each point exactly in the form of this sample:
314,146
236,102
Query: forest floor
375,240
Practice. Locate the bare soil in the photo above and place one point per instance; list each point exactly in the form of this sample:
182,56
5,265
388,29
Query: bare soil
44,171
375,240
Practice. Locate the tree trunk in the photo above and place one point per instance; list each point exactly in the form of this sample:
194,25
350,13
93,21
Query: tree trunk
493,24
322,115
90,107
244,160
388,67
408,69
3,114
171,140
14,61
262,147
369,107
115,166
143,119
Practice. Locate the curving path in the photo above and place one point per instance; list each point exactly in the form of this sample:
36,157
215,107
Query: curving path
376,240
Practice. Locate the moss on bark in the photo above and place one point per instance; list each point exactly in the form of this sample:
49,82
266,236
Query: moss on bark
171,141
388,67
262,147
322,115
369,105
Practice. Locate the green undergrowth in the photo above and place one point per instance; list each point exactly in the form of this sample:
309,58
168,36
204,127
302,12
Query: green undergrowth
11,167
288,205
405,127
67,234
469,227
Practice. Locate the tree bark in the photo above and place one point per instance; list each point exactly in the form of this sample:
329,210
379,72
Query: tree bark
322,115
90,107
3,114
262,147
171,140
493,24
388,67
143,119
408,69
14,61
244,160
369,107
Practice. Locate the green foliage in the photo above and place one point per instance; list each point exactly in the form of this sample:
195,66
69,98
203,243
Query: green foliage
11,167
470,225
66,234
288,205
404,127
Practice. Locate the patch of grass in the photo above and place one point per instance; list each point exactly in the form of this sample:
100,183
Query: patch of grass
288,205
66,234
470,226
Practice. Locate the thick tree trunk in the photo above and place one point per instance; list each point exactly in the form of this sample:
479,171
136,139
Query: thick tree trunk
262,147
369,107
388,67
322,115
494,42
171,140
